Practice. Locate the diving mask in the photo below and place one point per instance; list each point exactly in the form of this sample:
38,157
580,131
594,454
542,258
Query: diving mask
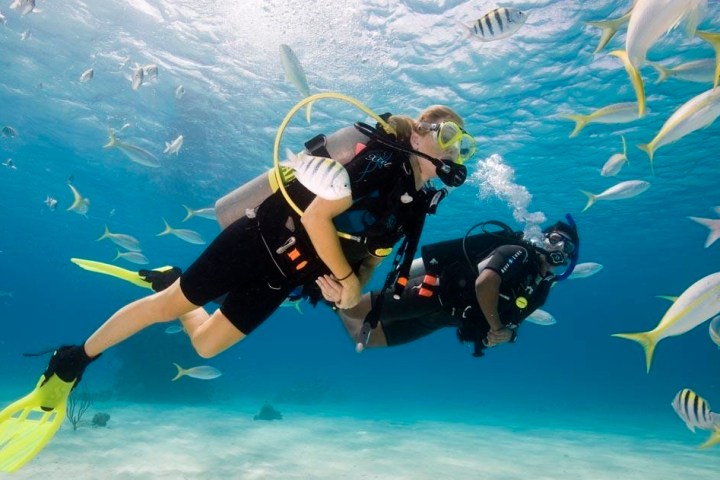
559,247
453,140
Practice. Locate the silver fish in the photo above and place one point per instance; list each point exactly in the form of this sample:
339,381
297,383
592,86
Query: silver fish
150,71
628,189
203,372
23,7
80,204
586,269
137,78
713,224
173,329
9,131
189,236
134,257
133,152
179,92
541,317
694,410
615,163
497,24
25,35
295,74
51,202
10,164
174,146
127,242
615,113
87,75
698,71
208,213
324,177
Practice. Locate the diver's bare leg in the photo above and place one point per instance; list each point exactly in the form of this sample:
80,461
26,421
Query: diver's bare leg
210,334
353,319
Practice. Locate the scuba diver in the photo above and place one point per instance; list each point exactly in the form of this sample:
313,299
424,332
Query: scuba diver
278,237
484,285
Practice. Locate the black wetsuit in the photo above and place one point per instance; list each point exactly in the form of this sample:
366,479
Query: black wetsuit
259,261
423,309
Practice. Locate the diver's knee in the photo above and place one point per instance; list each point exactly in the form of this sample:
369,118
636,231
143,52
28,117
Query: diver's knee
203,349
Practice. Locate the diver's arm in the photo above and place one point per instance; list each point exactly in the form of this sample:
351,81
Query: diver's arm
487,292
318,222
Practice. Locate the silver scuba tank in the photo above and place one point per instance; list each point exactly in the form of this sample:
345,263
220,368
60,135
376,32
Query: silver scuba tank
342,146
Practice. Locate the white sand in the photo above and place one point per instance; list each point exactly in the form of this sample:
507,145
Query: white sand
156,442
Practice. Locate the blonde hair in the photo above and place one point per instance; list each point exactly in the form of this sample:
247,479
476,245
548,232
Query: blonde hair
405,125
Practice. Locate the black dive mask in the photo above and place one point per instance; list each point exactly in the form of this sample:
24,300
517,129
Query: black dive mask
450,173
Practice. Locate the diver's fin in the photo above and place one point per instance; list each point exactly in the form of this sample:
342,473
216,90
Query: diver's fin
28,424
115,271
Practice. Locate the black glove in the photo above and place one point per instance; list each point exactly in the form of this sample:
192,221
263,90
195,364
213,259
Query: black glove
68,363
160,280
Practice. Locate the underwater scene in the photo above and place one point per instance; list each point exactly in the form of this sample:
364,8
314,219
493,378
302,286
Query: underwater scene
124,122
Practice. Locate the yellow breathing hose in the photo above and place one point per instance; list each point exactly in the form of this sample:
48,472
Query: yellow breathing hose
281,130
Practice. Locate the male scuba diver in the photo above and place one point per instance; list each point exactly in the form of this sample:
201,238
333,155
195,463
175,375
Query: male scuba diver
484,285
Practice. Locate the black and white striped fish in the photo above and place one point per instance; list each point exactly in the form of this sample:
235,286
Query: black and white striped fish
497,24
694,410
325,177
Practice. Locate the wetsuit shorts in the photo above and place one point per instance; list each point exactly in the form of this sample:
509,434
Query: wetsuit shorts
412,316
237,263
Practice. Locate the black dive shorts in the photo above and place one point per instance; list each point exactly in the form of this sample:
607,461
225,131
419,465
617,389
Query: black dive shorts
412,316
238,264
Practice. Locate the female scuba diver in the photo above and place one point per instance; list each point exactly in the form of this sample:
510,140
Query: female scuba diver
484,285
268,249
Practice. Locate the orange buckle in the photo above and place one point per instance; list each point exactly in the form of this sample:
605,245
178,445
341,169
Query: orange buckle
431,280
424,292
293,254
402,281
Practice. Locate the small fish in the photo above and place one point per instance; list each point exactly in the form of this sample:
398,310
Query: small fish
134,257
615,163
127,242
9,131
51,203
694,410
173,329
87,75
125,127
189,236
584,270
698,71
622,190
609,27
25,35
133,152
137,78
208,213
203,372
112,212
179,92
497,24
698,303
80,205
541,317
10,164
715,330
611,114
174,146
713,224
324,177
649,21
295,74
296,304
698,112
23,7
150,71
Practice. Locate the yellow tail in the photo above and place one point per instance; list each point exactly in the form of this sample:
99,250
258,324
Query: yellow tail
635,79
180,373
663,72
714,40
646,339
713,440
112,140
649,148
168,229
592,198
580,122
104,235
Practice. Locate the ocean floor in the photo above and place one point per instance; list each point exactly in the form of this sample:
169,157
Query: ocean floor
163,442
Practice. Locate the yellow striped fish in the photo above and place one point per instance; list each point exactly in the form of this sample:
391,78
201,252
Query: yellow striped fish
497,24
694,410
324,177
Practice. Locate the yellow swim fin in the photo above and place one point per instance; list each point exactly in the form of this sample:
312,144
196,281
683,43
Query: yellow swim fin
28,424
115,271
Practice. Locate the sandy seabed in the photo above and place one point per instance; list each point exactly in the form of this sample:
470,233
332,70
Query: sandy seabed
159,442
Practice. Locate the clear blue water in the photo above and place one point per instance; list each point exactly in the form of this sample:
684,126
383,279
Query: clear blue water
392,56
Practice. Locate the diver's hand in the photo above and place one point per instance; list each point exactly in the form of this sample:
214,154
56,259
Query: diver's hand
330,288
497,337
351,292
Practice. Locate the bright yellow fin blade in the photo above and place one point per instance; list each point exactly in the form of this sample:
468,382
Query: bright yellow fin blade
28,424
115,271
